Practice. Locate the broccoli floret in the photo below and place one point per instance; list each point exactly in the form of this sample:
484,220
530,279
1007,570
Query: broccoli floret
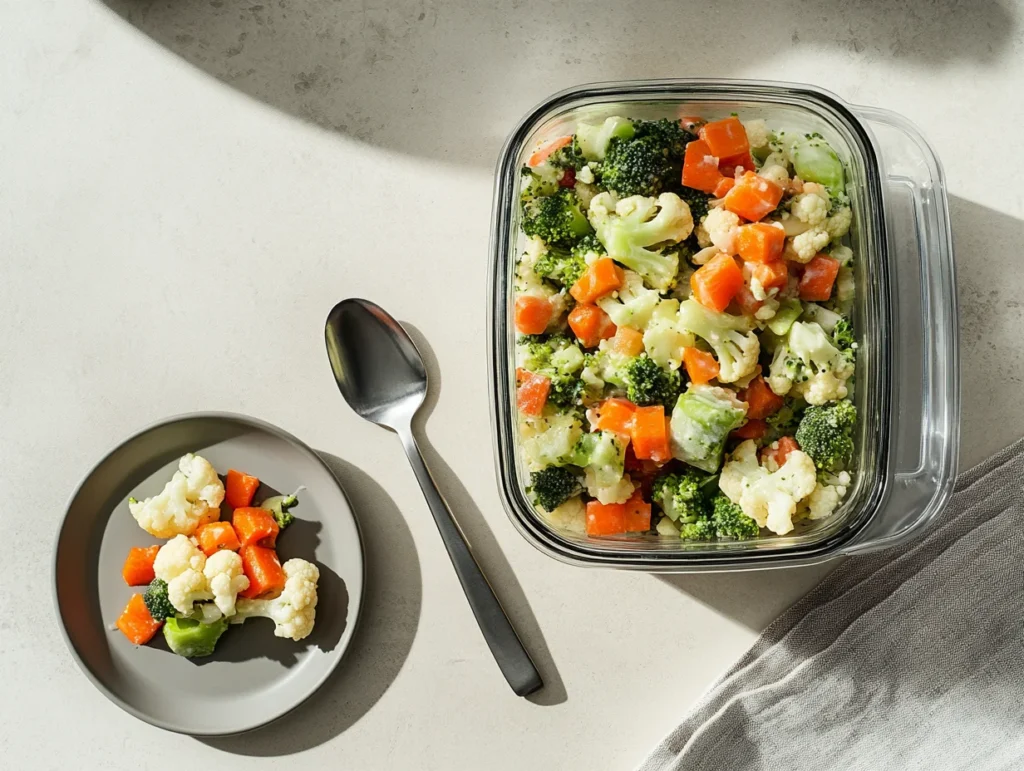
681,496
588,245
731,337
553,486
555,218
842,337
157,602
697,201
627,228
563,268
647,163
635,167
566,391
825,434
671,137
648,384
193,639
568,157
701,530
279,506
730,521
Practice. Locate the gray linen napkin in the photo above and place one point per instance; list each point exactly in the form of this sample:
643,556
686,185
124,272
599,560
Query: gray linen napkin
910,658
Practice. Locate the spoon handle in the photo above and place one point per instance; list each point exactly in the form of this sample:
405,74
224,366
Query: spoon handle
513,660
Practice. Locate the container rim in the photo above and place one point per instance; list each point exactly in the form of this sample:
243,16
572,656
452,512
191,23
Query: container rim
549,540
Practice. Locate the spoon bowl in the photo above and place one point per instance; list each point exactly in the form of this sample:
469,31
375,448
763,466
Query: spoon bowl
381,375
377,367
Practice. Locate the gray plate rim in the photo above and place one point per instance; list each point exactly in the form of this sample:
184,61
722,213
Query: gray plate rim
260,425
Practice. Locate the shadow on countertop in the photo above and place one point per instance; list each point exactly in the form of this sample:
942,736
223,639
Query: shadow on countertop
383,637
482,541
446,81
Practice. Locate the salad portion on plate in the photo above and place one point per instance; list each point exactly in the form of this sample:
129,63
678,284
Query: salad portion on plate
212,573
683,308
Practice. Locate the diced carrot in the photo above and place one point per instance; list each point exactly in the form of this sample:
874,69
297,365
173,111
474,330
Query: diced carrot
729,165
138,565
819,276
700,365
532,394
541,153
752,429
628,341
533,314
606,518
615,415
637,515
779,451
753,197
715,283
215,536
760,242
264,571
601,277
725,184
136,622
770,274
650,434
590,324
239,489
725,137
745,301
700,167
255,526
761,400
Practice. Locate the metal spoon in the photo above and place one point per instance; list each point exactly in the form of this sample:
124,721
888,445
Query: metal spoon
381,375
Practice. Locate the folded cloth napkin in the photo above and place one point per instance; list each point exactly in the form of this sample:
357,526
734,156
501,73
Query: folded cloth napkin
910,658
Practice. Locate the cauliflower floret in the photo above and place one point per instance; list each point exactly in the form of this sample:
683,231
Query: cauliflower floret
570,517
632,305
811,208
191,498
757,133
703,239
769,498
838,225
548,441
294,611
181,564
721,226
732,338
226,579
664,341
827,495
618,491
586,175
808,244
822,387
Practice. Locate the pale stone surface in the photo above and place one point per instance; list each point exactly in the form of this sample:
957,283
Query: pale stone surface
182,199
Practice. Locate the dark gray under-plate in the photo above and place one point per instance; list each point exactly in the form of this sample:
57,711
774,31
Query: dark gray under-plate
253,677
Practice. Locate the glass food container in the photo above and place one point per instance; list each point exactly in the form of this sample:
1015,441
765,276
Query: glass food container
905,317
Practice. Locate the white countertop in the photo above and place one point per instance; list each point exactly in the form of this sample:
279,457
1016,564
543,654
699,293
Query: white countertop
182,199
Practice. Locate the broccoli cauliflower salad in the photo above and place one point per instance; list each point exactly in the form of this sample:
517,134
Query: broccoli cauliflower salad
211,573
683,307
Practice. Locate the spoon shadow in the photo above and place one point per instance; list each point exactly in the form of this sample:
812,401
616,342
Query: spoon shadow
484,545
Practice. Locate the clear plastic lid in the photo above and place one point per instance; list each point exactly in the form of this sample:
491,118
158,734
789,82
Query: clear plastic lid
907,387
